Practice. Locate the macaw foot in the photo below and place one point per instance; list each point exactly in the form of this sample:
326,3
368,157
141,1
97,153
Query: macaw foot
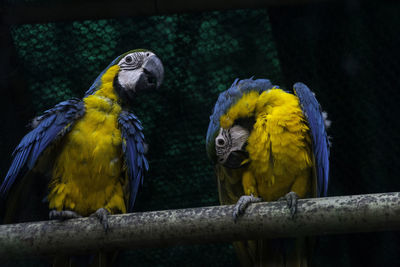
63,215
242,204
102,215
291,200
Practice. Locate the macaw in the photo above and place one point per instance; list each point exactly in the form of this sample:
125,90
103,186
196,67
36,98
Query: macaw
269,144
90,152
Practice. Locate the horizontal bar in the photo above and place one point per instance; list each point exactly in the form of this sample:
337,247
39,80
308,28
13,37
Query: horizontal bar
319,216
93,10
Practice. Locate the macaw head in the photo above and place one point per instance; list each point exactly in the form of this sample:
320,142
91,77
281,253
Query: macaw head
227,146
140,70
230,146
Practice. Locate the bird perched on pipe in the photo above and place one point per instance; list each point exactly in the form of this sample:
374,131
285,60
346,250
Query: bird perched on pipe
87,156
268,145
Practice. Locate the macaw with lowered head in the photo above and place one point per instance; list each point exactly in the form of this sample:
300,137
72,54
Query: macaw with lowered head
269,144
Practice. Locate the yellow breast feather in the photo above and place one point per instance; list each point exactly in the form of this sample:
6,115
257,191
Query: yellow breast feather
88,173
279,144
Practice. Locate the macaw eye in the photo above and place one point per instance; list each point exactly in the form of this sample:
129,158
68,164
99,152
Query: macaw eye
128,59
220,142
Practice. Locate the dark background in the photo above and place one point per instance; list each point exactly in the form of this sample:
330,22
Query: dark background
347,52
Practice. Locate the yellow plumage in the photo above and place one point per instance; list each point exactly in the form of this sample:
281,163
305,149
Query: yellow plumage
279,144
280,161
88,173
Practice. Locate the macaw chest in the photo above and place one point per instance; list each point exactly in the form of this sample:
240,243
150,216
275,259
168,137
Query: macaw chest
89,169
280,154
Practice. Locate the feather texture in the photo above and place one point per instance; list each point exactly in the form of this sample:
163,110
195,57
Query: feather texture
225,100
287,150
97,162
315,118
88,171
51,126
248,90
279,144
133,149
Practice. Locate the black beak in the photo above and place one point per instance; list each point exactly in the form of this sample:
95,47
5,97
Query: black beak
235,159
152,76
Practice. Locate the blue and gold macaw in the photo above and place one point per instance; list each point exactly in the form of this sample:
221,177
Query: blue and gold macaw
268,144
91,151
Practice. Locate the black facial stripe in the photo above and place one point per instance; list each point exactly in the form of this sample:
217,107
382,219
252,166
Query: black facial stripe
235,159
125,96
127,68
117,86
137,61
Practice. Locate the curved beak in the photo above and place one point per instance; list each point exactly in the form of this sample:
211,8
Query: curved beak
153,70
236,159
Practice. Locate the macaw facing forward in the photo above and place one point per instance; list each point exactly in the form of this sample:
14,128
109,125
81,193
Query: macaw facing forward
92,150
268,144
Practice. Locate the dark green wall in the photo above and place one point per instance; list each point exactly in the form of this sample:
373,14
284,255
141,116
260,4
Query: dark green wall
349,54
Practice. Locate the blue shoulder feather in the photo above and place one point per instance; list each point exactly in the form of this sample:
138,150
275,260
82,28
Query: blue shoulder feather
96,84
225,100
320,141
52,125
133,149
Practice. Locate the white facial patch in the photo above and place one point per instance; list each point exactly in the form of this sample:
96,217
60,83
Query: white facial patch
134,60
128,78
230,140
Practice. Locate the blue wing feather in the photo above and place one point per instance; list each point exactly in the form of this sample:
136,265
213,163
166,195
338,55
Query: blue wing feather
146,164
228,98
51,125
133,149
320,141
96,84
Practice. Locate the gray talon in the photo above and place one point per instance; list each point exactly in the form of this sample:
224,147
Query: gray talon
242,204
63,215
291,200
102,215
